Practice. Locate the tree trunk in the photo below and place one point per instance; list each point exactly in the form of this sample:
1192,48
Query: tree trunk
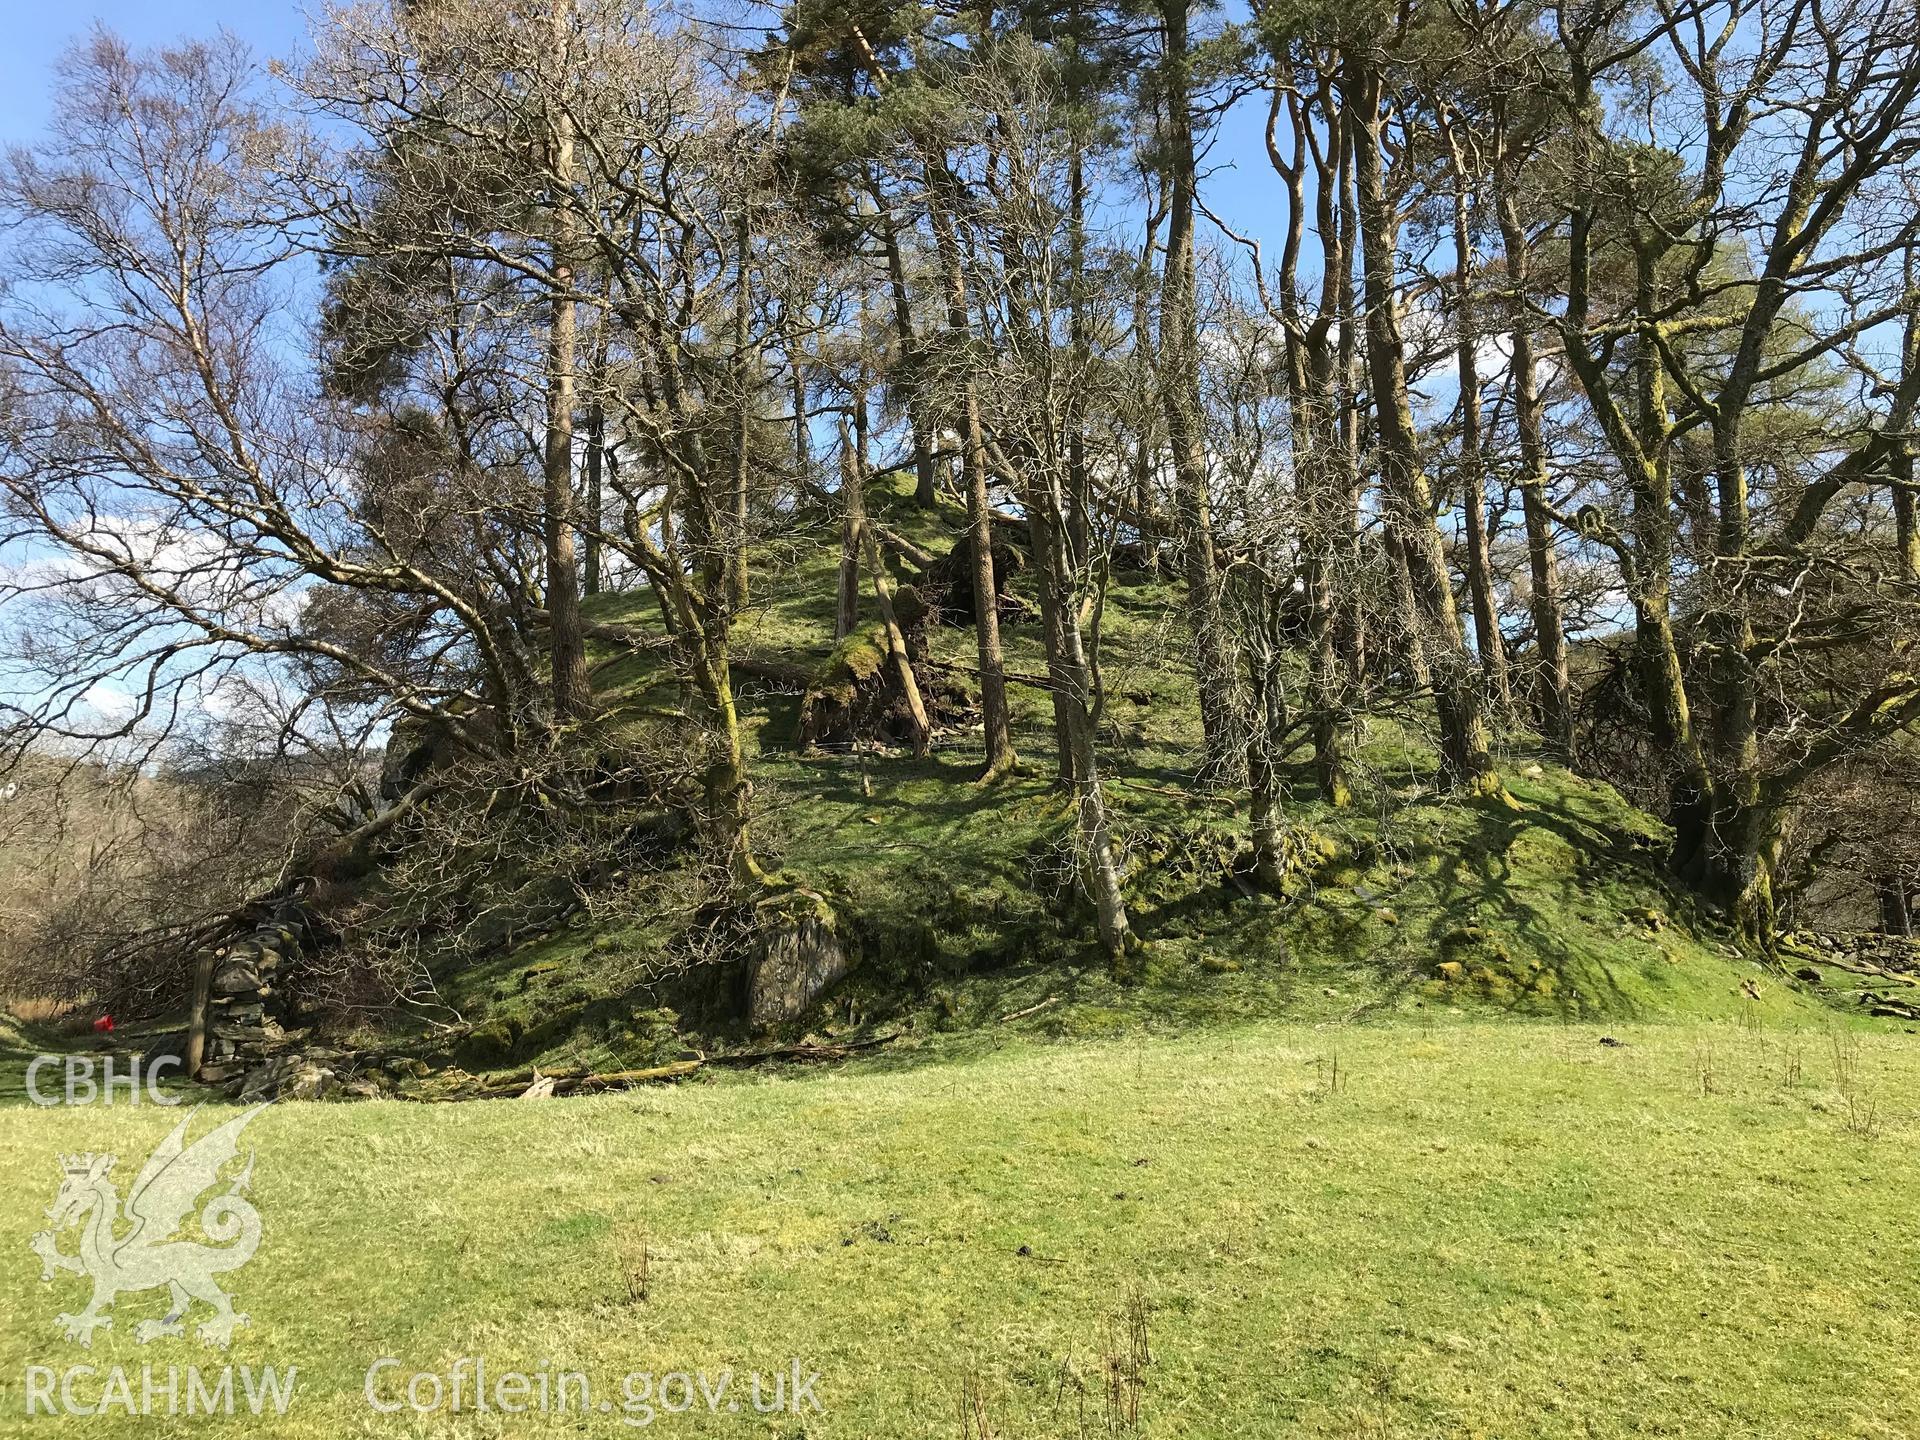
865,541
596,453
1406,610
1054,589
736,539
1552,688
1466,761
1053,632
1266,800
1314,429
1905,531
1740,841
1099,859
1663,681
1146,509
1079,479
802,442
846,611
1691,800
1349,388
728,795
994,710
1488,639
1896,905
596,492
1325,682
572,694
926,492
1746,839
1186,438
1102,861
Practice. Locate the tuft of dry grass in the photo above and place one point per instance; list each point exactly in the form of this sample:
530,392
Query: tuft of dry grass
44,1010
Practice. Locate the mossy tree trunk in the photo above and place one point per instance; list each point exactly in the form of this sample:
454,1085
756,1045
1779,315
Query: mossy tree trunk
1465,748
1186,427
995,713
854,489
745,368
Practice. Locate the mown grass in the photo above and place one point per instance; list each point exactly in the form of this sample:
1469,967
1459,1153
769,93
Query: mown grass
1419,1228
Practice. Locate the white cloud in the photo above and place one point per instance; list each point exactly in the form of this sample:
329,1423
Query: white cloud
110,702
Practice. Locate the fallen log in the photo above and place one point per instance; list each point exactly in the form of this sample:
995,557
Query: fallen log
913,554
537,1084
844,1050
1030,1010
622,1079
856,693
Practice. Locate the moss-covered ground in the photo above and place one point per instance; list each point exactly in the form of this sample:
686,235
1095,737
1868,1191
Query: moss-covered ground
957,898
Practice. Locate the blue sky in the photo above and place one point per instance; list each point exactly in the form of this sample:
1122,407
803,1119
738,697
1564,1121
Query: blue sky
37,31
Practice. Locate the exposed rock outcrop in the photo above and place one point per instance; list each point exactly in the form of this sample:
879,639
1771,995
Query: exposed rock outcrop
798,955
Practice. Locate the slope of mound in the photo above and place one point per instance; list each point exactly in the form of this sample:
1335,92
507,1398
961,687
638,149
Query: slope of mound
957,903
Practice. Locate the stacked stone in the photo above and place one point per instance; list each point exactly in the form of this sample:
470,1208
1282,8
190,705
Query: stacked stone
1890,952
241,1032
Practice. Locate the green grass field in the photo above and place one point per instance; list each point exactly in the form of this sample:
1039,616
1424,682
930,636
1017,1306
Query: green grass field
1439,1228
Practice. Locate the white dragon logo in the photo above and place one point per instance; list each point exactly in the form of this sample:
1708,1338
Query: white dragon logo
148,1255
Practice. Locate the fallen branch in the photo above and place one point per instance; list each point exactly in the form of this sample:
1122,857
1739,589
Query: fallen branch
537,1084
1038,682
534,1084
1187,795
840,1051
780,671
1030,1010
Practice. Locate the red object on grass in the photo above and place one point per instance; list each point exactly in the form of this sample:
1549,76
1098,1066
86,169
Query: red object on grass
104,1023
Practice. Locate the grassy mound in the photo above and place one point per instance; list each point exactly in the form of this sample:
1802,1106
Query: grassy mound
1481,1129
958,901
